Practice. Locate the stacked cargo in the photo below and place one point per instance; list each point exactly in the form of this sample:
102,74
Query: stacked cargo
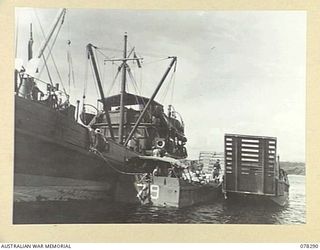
208,158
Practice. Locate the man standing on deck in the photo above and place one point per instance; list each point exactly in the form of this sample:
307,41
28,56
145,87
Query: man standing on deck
216,171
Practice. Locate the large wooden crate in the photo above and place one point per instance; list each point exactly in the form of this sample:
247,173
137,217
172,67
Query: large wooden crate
250,164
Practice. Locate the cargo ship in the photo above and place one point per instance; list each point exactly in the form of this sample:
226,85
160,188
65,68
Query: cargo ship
63,153
252,170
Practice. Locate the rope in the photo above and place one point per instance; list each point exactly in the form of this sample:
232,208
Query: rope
45,63
129,173
114,81
141,79
147,54
50,49
37,79
134,83
54,62
110,164
109,58
167,88
69,69
155,61
85,84
171,84
110,49
154,55
165,92
120,50
174,82
42,32
70,66
113,63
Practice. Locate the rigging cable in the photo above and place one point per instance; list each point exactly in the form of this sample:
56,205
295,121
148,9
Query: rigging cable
114,80
159,60
51,47
111,165
164,95
68,54
38,79
109,58
70,66
114,63
69,69
136,88
45,63
141,79
85,84
134,83
85,77
145,53
174,81
110,49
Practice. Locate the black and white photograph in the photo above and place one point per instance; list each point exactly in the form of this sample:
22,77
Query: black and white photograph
126,116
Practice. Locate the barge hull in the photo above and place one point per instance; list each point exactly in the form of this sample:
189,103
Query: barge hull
174,192
262,200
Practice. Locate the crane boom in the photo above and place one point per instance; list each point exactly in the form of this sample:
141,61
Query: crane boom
96,72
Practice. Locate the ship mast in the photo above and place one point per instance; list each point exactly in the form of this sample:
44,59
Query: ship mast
30,43
123,89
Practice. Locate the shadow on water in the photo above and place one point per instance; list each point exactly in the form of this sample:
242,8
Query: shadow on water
70,212
218,212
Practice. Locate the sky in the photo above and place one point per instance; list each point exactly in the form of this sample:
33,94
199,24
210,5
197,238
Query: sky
241,72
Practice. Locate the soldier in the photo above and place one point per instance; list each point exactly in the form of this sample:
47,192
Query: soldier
216,171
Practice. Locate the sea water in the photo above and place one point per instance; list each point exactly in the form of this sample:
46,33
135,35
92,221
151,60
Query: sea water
217,212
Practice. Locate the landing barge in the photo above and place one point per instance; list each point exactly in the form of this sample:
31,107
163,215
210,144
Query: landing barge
252,170
175,184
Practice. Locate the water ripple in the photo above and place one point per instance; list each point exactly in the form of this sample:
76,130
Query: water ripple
223,212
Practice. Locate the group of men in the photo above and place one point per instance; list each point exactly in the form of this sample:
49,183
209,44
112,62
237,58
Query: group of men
193,176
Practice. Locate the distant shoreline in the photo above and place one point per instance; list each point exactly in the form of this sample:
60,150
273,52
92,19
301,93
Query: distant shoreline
297,168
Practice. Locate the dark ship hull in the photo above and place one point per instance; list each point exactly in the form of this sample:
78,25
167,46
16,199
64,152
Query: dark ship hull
53,161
